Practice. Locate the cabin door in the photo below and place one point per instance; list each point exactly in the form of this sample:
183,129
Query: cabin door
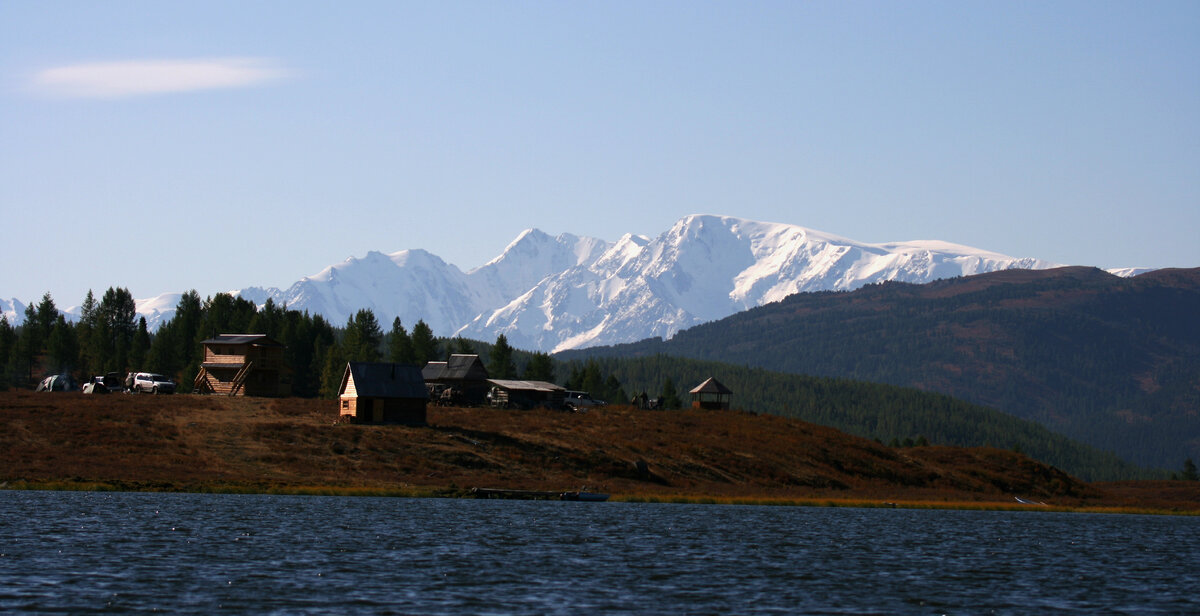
377,410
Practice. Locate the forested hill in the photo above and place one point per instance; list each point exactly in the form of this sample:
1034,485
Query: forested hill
1113,362
893,415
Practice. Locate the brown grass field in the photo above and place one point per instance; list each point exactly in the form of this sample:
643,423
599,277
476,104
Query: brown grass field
208,443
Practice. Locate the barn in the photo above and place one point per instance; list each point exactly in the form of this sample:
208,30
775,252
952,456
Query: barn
377,392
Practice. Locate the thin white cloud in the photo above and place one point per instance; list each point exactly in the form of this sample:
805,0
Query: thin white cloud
146,77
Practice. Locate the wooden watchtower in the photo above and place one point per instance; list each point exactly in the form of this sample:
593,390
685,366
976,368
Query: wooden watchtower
243,365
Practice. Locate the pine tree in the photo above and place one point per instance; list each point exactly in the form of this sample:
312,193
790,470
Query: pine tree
85,330
8,338
117,312
425,347
501,365
462,346
539,368
400,347
362,338
47,313
669,398
139,347
1189,471
62,347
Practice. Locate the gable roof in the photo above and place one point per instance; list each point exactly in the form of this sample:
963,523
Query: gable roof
433,370
711,386
464,368
254,339
384,380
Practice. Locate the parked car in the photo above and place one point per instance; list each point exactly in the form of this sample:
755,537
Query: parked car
112,382
154,383
581,401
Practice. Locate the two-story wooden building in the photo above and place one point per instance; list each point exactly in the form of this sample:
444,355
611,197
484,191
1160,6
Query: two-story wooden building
243,365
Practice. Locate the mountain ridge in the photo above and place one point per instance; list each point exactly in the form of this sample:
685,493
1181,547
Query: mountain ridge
553,293
1113,362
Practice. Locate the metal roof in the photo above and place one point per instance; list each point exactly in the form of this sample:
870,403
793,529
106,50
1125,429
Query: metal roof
258,339
525,385
385,380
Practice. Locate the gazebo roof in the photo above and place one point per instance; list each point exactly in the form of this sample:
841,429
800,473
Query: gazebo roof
711,386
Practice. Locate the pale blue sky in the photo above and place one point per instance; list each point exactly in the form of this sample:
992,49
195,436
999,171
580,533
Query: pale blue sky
163,146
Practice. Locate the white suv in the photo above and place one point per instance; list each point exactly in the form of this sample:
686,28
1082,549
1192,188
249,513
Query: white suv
153,383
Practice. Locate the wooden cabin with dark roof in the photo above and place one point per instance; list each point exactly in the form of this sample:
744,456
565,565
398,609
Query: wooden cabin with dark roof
378,392
711,394
462,380
243,365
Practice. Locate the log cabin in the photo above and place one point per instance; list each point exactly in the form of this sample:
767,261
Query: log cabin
377,392
243,365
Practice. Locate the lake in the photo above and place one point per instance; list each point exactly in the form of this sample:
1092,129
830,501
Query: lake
77,552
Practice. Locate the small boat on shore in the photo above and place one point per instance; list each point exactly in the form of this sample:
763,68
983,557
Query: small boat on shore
577,495
580,495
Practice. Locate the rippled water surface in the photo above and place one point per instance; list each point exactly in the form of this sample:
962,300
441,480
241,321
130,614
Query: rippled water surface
186,553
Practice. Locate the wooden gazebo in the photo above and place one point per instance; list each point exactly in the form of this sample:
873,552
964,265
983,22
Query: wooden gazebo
711,394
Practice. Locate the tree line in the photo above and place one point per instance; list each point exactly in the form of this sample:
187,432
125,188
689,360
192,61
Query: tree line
110,336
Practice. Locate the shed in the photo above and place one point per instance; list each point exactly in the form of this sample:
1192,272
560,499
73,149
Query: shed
507,394
463,375
243,365
377,392
711,394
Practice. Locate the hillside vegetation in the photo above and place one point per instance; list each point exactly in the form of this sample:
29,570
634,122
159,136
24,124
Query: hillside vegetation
885,413
1110,361
188,442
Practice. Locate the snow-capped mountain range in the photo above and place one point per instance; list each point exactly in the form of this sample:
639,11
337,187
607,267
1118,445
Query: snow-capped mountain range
555,293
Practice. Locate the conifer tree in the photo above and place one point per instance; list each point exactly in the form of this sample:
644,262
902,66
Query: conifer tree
425,347
669,398
363,337
501,365
400,347
8,339
139,347
1189,471
62,348
462,346
47,314
539,368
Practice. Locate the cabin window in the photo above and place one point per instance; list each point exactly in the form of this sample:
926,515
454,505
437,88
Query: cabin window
345,405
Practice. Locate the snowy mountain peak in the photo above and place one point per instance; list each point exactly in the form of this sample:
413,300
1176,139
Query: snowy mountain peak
557,292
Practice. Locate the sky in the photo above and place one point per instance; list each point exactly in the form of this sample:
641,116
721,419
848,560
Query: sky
167,146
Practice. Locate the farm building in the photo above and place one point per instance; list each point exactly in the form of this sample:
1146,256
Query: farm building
464,377
711,394
243,365
383,393
508,394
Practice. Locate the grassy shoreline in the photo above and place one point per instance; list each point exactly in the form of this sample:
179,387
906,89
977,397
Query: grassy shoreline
677,499
210,444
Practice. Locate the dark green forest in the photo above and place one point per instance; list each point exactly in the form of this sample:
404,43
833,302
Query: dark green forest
1109,361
